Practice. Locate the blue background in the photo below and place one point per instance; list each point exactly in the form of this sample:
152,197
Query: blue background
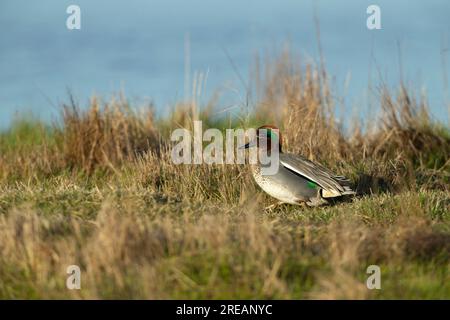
138,46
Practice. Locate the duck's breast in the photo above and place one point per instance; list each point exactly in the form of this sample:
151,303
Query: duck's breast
285,186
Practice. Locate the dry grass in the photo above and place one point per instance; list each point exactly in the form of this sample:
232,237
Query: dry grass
99,190
142,247
105,136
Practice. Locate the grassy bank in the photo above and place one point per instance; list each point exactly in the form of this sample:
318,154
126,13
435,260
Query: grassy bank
98,189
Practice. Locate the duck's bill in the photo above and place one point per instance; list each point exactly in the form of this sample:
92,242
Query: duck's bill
248,145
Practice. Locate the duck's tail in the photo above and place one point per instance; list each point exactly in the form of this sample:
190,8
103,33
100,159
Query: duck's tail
348,191
344,190
345,184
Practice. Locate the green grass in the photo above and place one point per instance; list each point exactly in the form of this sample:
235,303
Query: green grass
170,248
25,132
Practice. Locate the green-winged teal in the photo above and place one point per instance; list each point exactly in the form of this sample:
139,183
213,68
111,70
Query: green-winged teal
298,179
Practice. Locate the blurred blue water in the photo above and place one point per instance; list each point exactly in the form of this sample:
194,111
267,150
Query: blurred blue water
138,45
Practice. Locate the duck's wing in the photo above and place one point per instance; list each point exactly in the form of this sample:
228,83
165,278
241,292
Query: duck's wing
332,185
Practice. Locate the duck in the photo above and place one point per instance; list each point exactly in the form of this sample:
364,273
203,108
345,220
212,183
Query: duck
298,181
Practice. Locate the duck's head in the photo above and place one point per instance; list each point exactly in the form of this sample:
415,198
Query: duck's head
265,136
